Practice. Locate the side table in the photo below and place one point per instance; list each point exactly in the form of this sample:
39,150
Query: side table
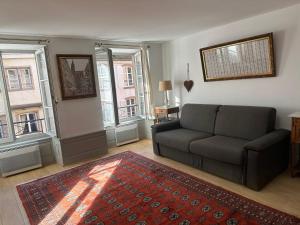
165,110
295,141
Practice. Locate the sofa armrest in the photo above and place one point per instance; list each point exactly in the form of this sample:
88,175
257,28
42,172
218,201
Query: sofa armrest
267,140
170,125
266,157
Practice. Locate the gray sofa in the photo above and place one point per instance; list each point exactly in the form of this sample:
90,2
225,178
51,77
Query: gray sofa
238,143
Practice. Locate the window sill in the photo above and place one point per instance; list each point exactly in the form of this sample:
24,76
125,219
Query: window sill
130,121
25,141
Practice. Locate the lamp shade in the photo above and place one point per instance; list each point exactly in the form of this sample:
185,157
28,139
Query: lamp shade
165,85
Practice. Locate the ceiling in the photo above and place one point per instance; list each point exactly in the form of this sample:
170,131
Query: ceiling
136,20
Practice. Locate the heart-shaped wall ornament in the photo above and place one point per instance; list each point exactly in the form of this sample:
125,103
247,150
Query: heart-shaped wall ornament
188,84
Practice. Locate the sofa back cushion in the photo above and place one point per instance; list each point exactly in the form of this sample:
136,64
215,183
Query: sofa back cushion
247,122
199,117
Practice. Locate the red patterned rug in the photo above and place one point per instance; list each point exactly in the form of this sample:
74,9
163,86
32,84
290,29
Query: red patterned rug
130,189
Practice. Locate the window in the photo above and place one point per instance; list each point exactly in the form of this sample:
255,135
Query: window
25,112
26,78
124,99
129,77
28,124
130,107
19,79
13,79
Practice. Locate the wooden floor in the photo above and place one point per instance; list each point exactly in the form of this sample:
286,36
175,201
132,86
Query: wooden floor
283,193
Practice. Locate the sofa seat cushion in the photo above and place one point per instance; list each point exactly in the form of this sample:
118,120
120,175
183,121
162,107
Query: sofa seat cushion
179,139
220,148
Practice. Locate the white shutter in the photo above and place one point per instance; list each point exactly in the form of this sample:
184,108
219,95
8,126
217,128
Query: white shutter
106,95
6,128
46,93
140,91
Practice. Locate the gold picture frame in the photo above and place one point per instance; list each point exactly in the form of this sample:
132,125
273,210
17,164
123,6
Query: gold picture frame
251,57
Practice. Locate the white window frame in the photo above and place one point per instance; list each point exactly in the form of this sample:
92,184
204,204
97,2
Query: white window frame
50,113
139,83
5,89
112,68
8,115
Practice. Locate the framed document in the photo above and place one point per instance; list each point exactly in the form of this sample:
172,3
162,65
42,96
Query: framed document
246,58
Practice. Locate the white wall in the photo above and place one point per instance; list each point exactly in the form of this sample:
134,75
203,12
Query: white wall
156,71
80,116
281,92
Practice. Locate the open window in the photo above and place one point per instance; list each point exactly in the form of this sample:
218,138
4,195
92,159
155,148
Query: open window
25,96
121,84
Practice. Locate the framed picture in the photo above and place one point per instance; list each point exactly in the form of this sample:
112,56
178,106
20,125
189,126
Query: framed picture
246,58
76,73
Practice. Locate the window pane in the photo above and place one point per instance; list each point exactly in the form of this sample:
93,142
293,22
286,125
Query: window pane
42,66
129,77
105,89
45,92
4,127
49,120
33,122
13,79
125,87
46,121
22,127
26,78
140,83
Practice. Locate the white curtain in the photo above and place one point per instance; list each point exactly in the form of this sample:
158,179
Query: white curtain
147,83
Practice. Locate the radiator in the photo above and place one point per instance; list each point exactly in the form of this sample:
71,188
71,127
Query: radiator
20,159
126,134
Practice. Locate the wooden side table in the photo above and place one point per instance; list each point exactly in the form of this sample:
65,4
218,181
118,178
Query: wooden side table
165,110
295,141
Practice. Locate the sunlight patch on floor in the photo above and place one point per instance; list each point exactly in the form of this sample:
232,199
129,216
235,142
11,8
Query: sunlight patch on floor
82,195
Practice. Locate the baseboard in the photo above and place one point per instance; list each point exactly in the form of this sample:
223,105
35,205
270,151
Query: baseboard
87,146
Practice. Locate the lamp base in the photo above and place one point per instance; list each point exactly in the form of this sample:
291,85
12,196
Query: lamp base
167,102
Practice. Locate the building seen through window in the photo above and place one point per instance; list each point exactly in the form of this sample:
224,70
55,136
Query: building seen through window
24,96
128,82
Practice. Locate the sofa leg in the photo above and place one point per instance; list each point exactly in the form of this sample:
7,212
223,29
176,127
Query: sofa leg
244,168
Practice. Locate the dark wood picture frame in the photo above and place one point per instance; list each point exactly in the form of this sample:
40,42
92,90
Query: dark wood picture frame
248,67
84,77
